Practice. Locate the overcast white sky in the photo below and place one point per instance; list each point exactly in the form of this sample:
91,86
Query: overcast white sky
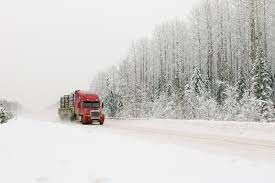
51,47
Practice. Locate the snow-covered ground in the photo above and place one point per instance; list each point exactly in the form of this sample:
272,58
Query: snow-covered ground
136,151
250,130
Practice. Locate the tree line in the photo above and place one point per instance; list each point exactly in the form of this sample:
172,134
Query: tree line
216,64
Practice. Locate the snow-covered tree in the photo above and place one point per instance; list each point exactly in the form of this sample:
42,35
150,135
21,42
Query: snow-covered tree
249,110
231,107
113,104
197,83
190,103
221,93
261,86
241,86
10,108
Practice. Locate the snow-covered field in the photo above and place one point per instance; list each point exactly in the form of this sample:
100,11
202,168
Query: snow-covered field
137,151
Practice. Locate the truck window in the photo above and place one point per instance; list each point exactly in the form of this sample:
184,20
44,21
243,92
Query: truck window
91,104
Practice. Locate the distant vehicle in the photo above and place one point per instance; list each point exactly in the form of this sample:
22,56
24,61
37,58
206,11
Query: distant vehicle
83,106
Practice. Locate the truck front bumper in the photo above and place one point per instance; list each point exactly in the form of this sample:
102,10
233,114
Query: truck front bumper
89,119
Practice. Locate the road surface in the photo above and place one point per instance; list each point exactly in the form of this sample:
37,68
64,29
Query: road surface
136,151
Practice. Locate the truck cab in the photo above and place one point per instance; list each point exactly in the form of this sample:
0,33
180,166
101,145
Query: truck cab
88,107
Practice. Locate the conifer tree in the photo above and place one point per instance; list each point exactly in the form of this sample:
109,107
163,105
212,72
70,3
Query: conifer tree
196,82
221,93
241,86
114,104
190,103
113,101
261,83
161,86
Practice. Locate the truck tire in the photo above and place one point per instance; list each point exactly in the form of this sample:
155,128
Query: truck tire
73,117
82,121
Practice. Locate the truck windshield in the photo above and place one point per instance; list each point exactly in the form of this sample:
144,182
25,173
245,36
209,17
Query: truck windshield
91,104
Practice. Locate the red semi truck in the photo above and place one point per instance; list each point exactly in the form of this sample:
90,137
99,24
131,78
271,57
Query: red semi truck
83,106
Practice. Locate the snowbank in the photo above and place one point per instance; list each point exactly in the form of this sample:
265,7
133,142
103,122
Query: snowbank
251,130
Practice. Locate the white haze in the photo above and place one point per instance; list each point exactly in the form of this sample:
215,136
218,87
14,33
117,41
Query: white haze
49,48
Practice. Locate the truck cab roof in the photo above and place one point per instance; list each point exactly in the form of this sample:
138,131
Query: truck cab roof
88,96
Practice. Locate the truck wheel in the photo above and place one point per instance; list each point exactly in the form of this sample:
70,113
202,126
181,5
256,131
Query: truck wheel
72,118
82,121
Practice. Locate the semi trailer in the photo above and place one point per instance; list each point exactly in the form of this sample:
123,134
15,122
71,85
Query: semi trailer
83,106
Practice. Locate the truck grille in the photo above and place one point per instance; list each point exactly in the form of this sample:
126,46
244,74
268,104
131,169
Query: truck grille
95,114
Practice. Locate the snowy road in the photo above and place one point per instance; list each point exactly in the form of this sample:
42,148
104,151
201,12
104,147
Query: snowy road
137,151
226,137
